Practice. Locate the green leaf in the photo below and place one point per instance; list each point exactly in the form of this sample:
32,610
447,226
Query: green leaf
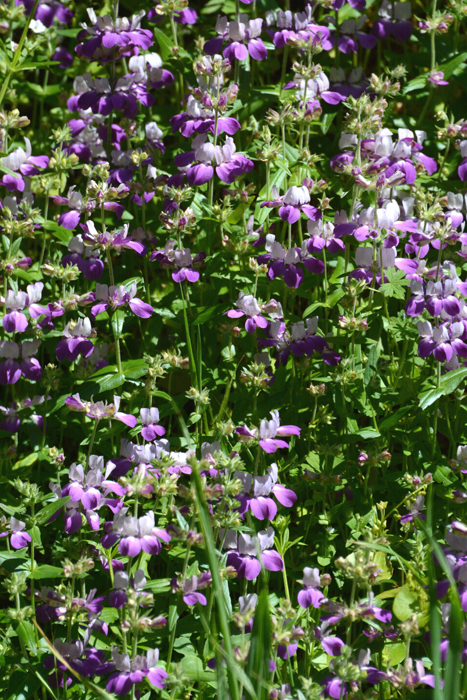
451,380
161,585
417,83
210,312
454,65
27,461
370,368
118,319
394,418
395,286
46,571
193,668
426,398
25,632
43,515
165,44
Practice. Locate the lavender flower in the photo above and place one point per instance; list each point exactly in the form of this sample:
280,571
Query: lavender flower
244,551
136,534
268,432
243,38
100,410
128,673
113,297
189,588
76,341
108,40
294,201
150,422
256,491
309,595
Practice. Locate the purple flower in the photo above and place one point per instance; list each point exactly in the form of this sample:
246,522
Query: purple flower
395,20
114,297
189,588
348,37
100,410
199,118
128,673
443,341
108,40
76,341
248,306
309,595
243,38
323,235
11,370
47,11
437,78
102,97
268,432
197,164
306,91
256,491
244,551
414,510
118,596
19,539
16,321
150,422
136,534
22,161
181,259
294,201
185,16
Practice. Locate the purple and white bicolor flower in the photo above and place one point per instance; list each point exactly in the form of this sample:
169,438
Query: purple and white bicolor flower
19,537
112,297
23,163
348,36
198,163
443,341
309,595
136,534
248,306
182,260
246,552
256,493
118,597
11,370
292,203
100,410
108,39
150,422
15,320
307,91
127,672
243,37
268,432
190,587
199,118
394,19
76,341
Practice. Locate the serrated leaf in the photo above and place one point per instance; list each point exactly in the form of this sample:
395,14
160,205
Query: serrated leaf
395,286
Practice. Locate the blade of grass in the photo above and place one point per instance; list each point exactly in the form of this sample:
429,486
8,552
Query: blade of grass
456,623
203,515
260,645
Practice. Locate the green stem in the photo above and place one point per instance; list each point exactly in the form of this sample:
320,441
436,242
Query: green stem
17,54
